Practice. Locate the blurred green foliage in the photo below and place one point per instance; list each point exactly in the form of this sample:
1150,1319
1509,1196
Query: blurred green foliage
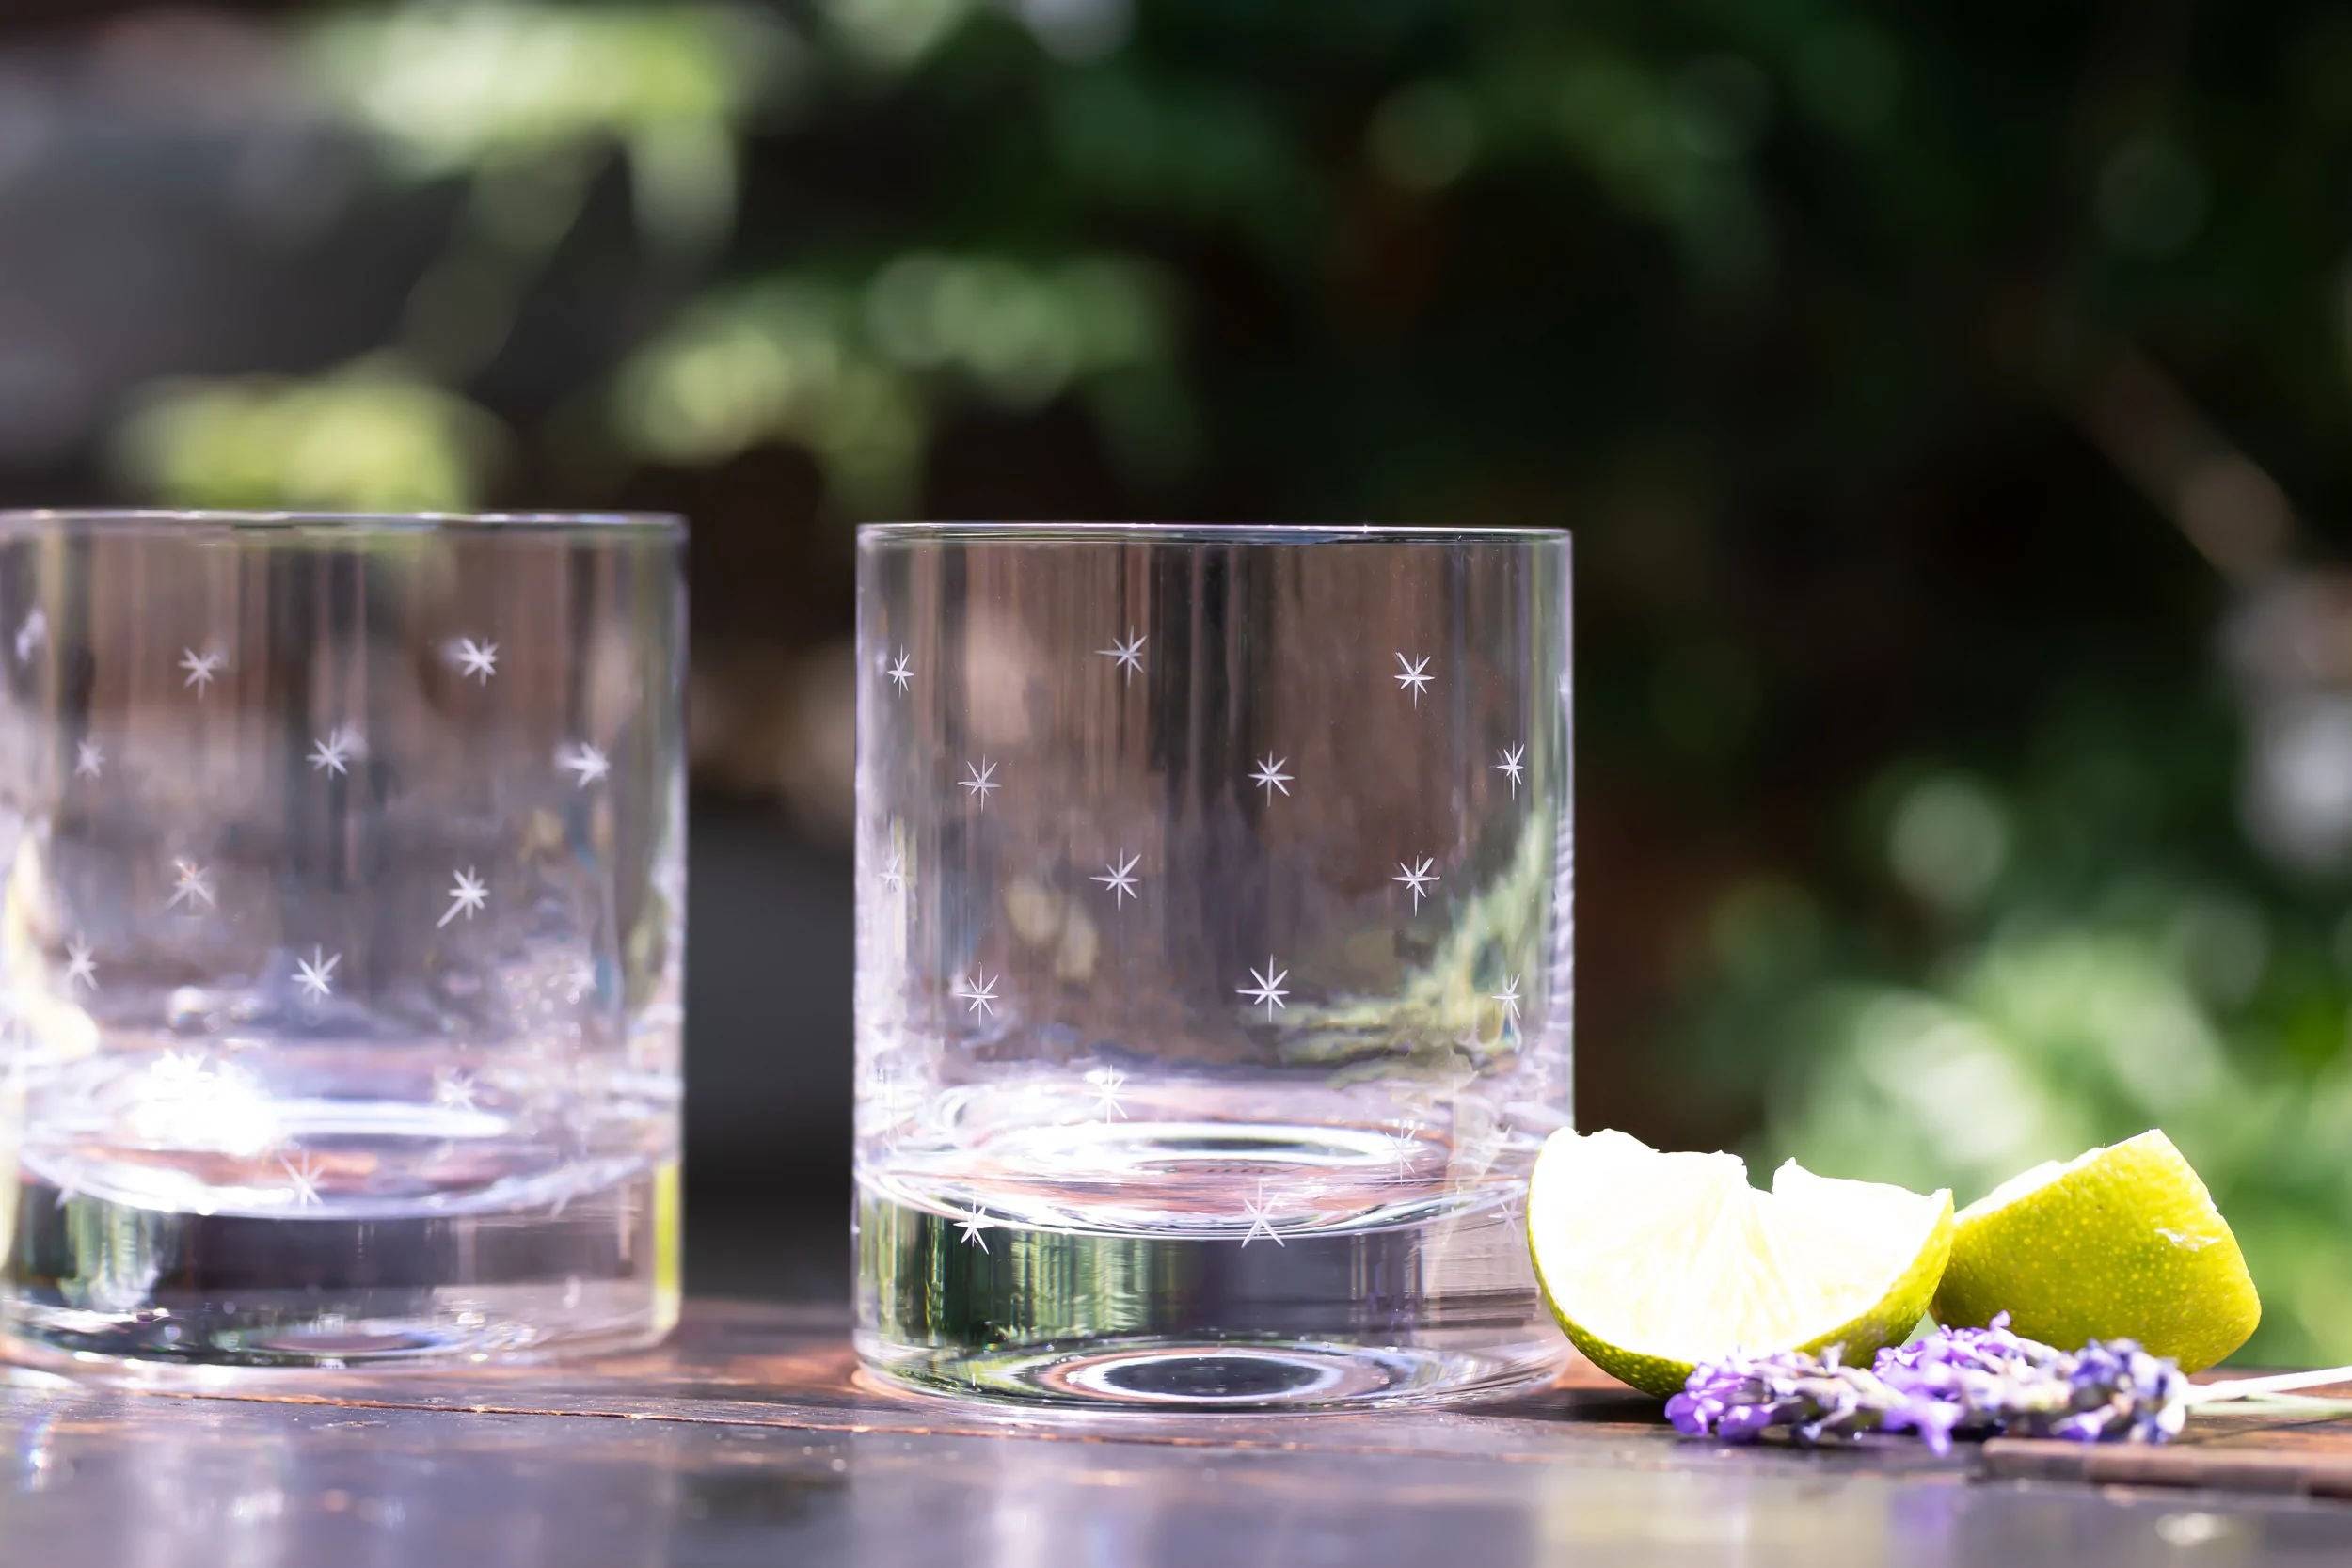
2022,971
1929,384
372,436
855,371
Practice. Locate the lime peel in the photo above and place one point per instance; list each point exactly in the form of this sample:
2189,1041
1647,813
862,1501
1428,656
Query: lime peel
2121,1242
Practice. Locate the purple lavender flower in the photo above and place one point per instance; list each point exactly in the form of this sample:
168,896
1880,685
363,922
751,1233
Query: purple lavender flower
2122,1394
1983,1381
1956,1382
1739,1398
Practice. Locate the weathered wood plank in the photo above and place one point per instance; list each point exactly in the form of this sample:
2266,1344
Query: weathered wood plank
751,1439
104,1477
753,1364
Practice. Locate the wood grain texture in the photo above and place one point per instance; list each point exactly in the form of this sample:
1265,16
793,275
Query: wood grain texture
752,1438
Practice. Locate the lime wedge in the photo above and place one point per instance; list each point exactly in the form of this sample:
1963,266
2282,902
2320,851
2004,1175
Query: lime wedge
2122,1242
1654,1262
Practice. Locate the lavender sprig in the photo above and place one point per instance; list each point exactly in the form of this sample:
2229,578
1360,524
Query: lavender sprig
1957,1382
1739,1398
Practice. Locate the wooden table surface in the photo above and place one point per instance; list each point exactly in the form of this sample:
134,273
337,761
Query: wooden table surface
750,1439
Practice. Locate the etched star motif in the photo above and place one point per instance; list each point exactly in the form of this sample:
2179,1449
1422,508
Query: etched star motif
980,780
303,1177
972,1224
1103,1081
467,894
201,667
893,874
1414,675
1270,777
586,761
1509,997
979,996
1268,988
1259,1212
1512,766
1122,881
455,1090
80,968
316,973
1405,1147
192,885
1418,878
901,674
89,759
1127,655
331,753
478,659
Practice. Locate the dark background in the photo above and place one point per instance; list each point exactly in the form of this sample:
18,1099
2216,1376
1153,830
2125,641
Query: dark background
1950,403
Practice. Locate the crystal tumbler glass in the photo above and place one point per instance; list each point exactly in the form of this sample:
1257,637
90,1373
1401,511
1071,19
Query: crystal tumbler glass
342,935
1213,964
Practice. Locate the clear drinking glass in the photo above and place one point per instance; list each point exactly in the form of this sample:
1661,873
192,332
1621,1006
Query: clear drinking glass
342,933
1213,970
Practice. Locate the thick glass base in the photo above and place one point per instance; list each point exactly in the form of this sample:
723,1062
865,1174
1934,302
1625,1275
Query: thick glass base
1433,1303
91,1278
1206,1374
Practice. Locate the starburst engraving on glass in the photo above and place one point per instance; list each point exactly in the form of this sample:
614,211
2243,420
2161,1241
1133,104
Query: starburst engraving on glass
1260,1214
1404,1144
454,1088
980,780
316,973
302,1174
1103,1083
587,763
477,659
332,752
980,995
1512,766
81,969
1267,988
1127,655
1509,997
89,759
971,1222
467,894
894,874
1416,877
1270,777
1122,881
901,674
1414,675
191,885
201,667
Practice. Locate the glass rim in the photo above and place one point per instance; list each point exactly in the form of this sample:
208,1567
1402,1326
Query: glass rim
18,520
1209,533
